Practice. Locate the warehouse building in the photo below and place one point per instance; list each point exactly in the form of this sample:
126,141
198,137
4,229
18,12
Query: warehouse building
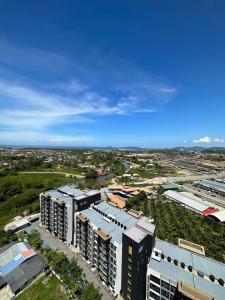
196,206
176,273
213,186
57,208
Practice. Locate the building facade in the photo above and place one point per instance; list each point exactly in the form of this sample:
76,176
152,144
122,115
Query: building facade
98,234
138,242
176,273
57,208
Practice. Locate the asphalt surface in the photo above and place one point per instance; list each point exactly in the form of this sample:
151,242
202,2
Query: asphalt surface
90,276
181,178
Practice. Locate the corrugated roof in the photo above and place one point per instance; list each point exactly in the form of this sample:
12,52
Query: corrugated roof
57,195
100,221
115,199
197,206
200,263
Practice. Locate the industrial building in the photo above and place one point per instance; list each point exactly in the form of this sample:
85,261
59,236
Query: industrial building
176,273
57,208
196,206
19,266
213,186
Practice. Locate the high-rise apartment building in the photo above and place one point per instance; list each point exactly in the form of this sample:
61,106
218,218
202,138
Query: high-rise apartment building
98,237
57,208
138,242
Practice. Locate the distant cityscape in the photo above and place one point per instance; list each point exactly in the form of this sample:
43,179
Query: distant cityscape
141,224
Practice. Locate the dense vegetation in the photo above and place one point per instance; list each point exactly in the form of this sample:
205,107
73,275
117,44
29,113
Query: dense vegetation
174,221
68,270
6,237
20,193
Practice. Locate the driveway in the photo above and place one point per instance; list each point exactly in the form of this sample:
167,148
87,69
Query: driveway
55,243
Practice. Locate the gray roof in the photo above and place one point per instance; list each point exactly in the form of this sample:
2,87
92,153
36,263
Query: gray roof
109,226
135,234
199,263
193,204
59,196
75,193
25,272
219,186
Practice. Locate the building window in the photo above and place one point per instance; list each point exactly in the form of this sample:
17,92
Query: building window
165,284
155,279
154,296
165,294
155,288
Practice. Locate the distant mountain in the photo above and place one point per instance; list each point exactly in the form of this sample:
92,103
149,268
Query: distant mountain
199,149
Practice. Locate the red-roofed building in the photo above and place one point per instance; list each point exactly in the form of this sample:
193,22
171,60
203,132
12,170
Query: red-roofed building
209,211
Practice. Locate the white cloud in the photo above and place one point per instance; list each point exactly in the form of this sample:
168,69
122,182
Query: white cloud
208,139
185,141
218,140
205,139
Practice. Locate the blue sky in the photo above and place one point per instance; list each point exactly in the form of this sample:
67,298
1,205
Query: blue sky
112,73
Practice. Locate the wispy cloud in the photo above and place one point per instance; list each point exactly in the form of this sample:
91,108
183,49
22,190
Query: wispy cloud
84,93
23,137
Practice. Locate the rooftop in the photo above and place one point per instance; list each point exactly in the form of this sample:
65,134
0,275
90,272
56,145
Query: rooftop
196,205
200,265
109,219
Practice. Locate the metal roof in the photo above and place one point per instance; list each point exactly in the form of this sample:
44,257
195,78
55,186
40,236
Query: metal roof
11,258
25,272
100,221
219,186
75,193
59,196
200,263
220,215
195,205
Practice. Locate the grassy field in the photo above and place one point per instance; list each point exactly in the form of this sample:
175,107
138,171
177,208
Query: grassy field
20,193
64,170
45,288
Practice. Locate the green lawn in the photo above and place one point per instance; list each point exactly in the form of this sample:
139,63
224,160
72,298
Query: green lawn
20,193
45,288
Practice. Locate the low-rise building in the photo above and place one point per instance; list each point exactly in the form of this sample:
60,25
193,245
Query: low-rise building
177,273
19,266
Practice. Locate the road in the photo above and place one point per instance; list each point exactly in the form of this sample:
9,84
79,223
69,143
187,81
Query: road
203,194
90,276
180,178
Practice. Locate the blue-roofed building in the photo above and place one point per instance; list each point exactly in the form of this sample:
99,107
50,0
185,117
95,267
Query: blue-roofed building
177,273
57,208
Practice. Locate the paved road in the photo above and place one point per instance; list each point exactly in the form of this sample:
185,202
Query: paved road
181,178
203,194
90,276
